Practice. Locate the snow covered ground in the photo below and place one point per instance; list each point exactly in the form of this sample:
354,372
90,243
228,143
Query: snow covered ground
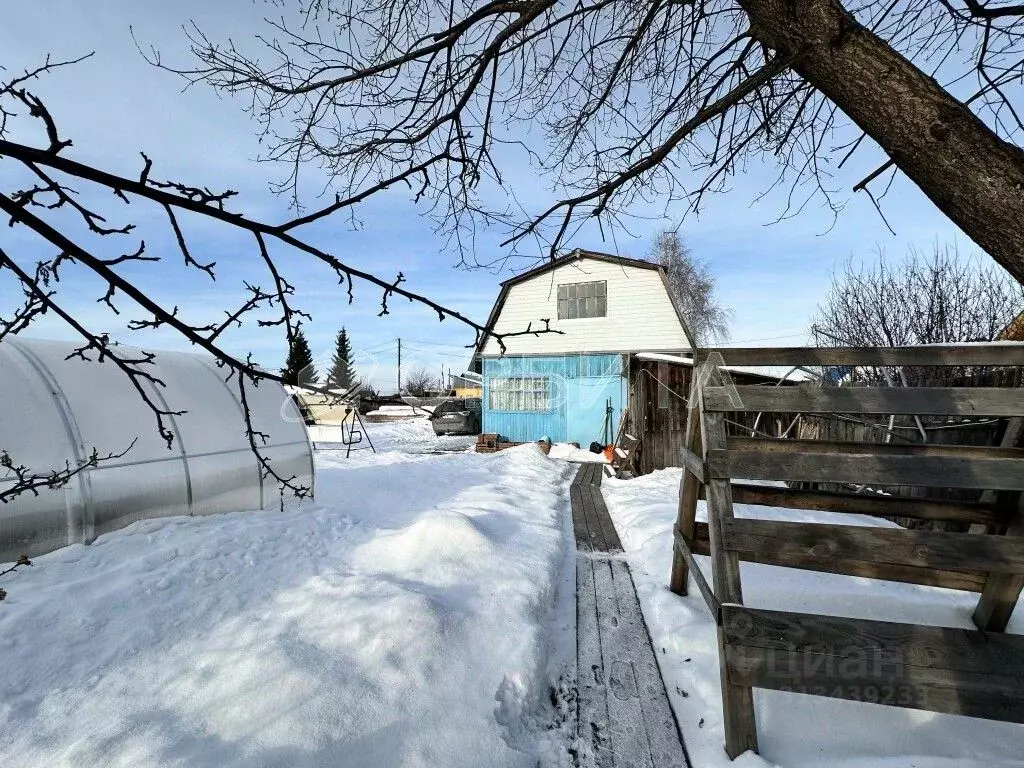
794,730
417,614
414,615
400,440
568,452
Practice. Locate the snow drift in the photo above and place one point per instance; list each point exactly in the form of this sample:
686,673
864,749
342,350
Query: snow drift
402,620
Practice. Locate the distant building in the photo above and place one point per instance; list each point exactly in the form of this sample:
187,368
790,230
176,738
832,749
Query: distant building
317,408
571,384
469,384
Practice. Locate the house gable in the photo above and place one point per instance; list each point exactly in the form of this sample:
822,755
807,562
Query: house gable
640,315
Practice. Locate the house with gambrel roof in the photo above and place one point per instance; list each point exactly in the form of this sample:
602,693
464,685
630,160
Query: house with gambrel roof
571,382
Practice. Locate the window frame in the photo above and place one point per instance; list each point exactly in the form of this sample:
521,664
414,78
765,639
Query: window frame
530,393
582,301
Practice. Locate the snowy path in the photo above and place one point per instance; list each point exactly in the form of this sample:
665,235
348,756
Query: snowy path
624,716
403,619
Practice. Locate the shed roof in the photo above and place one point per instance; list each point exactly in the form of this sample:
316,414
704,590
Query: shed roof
769,372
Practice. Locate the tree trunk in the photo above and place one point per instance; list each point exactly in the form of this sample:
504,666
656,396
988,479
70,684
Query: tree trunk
972,175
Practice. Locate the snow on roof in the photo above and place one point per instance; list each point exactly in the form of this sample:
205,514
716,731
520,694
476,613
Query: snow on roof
768,371
996,343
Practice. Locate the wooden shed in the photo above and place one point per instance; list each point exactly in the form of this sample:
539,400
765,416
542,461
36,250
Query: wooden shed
659,386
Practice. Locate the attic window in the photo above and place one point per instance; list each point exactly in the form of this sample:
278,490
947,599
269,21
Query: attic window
576,300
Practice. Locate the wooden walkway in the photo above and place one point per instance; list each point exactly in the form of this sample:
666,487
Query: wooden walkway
623,710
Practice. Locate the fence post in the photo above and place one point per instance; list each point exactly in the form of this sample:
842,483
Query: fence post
1002,590
737,700
689,491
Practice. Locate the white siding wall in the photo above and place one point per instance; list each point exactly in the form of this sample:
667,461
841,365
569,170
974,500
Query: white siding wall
640,314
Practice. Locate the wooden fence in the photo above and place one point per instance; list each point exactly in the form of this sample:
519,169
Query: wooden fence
978,673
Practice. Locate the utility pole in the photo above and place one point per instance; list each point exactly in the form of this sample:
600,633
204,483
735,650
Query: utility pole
399,366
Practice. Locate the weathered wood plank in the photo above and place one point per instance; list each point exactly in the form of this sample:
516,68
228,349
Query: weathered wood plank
581,474
1002,590
786,445
601,542
705,589
627,733
941,669
579,519
588,536
966,581
914,401
993,697
875,505
940,355
737,699
600,535
623,713
611,537
693,464
608,532
659,722
592,720
689,490
919,548
868,468
883,643
596,536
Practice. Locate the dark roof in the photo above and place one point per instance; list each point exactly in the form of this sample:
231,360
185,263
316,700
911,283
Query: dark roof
575,255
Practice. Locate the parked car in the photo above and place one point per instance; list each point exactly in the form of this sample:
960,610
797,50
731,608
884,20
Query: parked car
459,416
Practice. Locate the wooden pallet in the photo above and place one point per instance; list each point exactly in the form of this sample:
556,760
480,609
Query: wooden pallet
490,442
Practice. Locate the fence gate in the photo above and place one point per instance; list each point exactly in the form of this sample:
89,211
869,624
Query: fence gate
979,673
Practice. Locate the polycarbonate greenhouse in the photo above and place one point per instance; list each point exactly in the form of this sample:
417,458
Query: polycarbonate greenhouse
55,410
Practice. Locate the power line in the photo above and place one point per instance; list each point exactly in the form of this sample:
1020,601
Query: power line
438,343
802,334
379,347
456,355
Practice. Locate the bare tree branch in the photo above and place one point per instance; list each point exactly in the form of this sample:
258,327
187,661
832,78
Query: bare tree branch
23,479
30,208
614,104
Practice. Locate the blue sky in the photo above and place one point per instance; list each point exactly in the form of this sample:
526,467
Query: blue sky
115,105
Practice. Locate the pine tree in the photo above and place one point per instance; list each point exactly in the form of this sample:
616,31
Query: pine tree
299,368
343,372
